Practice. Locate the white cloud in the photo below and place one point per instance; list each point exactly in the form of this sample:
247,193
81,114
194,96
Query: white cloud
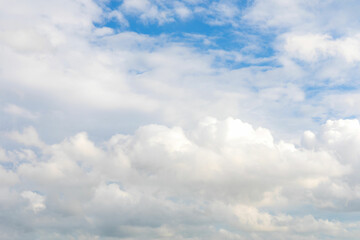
163,12
100,74
304,16
148,11
182,11
36,201
314,47
29,137
19,111
8,179
119,17
280,13
344,103
3,155
223,12
137,5
213,179
163,182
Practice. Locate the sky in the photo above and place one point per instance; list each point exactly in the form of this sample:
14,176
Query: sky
181,120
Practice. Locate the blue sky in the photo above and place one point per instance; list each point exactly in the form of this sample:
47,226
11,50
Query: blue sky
188,119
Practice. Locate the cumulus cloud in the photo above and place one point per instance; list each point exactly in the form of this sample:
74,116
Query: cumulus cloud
164,182
203,178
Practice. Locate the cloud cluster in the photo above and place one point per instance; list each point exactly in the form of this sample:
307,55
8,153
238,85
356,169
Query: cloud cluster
222,179
73,64
84,68
304,16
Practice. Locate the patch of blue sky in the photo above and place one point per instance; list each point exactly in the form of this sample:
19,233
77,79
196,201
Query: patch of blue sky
175,27
352,117
202,35
8,165
111,4
320,120
114,4
233,64
315,91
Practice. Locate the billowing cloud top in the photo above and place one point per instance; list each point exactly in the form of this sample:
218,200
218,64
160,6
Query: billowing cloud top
189,119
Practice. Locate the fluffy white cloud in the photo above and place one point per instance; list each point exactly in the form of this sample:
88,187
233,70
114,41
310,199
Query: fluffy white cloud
314,47
317,33
173,183
213,179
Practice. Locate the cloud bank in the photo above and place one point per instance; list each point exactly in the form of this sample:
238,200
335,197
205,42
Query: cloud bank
105,130
222,179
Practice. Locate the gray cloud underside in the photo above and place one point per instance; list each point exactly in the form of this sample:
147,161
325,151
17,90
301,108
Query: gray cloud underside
222,179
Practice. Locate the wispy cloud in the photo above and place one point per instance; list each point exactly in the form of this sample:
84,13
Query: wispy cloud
19,111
